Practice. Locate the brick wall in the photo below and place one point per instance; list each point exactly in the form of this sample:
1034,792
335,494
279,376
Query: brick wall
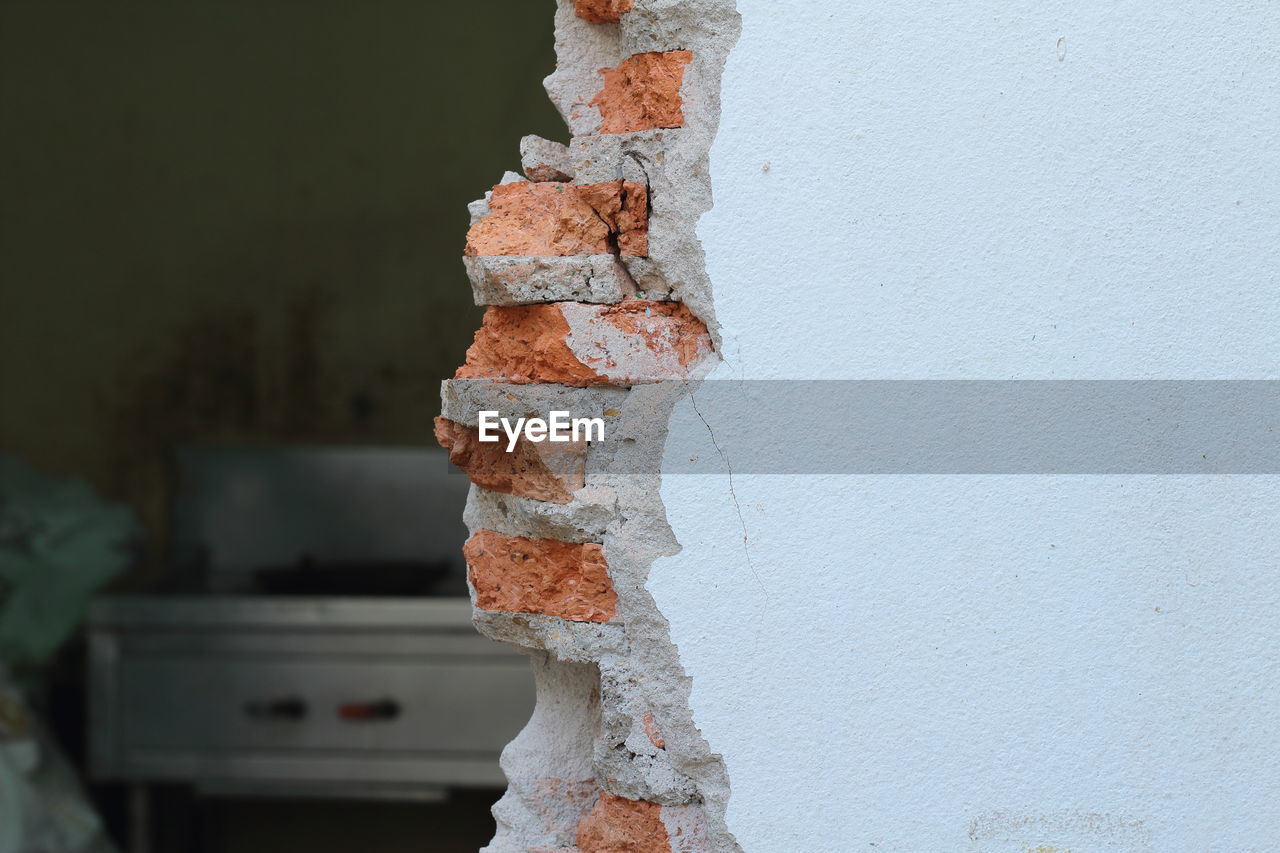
596,303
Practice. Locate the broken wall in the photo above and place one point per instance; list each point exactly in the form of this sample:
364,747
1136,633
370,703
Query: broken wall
596,303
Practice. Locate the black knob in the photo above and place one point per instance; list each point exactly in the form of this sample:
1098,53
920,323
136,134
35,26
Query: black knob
382,709
286,708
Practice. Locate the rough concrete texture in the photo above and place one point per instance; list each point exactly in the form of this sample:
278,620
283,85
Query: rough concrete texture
462,399
514,280
550,780
544,471
563,639
627,760
603,279
653,732
527,218
686,829
571,343
613,700
601,11
583,519
519,574
642,93
544,160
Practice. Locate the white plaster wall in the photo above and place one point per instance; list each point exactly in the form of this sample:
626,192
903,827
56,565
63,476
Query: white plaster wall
992,190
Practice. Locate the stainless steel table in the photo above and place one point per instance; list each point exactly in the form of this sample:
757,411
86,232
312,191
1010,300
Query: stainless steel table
361,698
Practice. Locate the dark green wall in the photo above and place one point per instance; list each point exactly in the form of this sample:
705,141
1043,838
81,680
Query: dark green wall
243,221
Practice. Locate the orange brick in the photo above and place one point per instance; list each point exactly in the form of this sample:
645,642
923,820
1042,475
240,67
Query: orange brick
601,11
522,575
544,471
643,92
553,218
574,343
619,825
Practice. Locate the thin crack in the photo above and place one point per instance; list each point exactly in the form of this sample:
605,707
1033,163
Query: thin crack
612,232
732,494
648,196
639,161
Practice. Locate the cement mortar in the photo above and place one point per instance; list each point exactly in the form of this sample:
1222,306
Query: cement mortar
515,280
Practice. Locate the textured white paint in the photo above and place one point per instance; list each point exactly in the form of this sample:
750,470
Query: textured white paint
992,190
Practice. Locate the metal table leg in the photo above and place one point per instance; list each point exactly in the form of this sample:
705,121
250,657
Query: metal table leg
139,819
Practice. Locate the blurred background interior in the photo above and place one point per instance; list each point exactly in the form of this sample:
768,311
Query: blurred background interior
230,282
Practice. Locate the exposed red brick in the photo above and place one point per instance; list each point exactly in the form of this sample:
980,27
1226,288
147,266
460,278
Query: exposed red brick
601,11
619,825
573,343
541,470
552,218
525,344
522,575
643,92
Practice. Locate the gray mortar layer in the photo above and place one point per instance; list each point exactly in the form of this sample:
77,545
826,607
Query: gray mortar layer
464,399
631,663
555,788
544,160
637,768
584,519
517,280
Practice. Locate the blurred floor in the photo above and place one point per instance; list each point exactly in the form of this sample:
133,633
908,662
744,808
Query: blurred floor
461,824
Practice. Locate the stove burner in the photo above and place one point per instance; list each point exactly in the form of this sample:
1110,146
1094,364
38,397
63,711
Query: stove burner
352,577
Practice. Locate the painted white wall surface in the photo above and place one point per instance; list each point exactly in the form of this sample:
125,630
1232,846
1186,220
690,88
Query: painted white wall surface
1003,664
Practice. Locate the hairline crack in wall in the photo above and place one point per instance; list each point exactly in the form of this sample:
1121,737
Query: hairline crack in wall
597,302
